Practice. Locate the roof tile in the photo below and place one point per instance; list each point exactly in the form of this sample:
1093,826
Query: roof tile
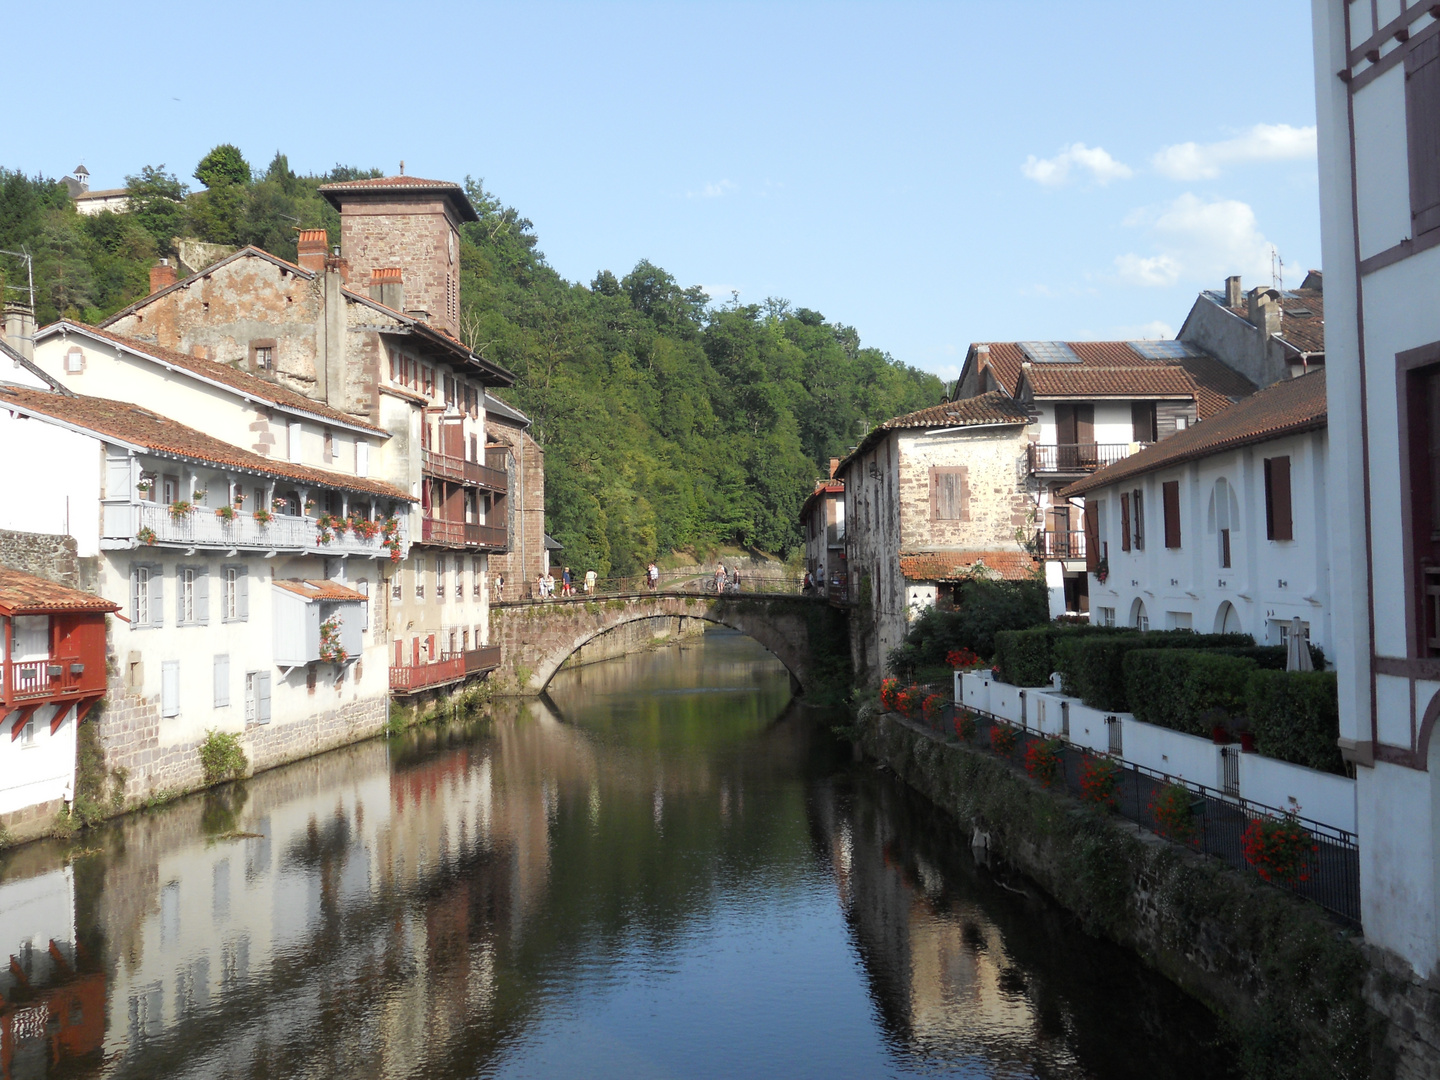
22,594
961,565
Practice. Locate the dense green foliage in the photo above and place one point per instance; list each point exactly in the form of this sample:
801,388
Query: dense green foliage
1295,716
668,423
1091,665
1189,690
982,611
1024,656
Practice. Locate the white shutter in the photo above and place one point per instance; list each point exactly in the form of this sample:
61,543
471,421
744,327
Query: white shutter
202,595
157,595
242,594
362,457
262,697
363,586
222,680
295,441
170,688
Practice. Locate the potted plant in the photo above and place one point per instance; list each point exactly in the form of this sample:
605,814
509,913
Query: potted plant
145,484
1173,809
200,495
1099,780
1102,570
1003,739
179,508
262,517
931,707
964,724
331,651
1043,760
323,526
390,531
145,535
225,513
278,505
1280,849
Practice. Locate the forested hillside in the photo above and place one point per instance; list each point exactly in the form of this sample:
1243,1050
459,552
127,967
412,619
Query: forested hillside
668,423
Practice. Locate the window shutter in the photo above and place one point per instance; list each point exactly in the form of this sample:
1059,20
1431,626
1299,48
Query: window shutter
1092,535
202,595
157,595
294,447
262,697
170,688
362,458
134,594
1422,123
1137,502
1278,523
1124,521
222,680
242,594
1170,494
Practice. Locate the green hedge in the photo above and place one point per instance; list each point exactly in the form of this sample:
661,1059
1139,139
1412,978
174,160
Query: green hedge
1187,689
1091,665
1027,657
1295,716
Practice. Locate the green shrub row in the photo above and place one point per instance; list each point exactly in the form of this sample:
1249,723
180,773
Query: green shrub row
982,609
1092,665
1295,716
1027,657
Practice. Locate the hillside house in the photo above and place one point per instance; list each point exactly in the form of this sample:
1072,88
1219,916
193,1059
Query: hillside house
822,518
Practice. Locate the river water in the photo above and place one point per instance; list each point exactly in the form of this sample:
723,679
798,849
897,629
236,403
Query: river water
663,869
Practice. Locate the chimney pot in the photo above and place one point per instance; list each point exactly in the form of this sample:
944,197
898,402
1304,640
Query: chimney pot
1233,291
834,464
162,275
310,250
1264,310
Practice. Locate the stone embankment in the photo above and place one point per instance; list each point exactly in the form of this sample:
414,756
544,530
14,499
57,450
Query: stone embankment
1301,996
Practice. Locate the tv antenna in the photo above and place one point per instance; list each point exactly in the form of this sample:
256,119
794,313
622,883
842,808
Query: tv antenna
1277,269
29,287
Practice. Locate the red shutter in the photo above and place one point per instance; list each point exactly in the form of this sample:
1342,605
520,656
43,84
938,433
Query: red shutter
1278,523
1170,493
1422,123
1125,522
1092,536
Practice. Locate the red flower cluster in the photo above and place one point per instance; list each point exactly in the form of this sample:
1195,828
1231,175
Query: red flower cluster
1170,807
1099,778
1043,760
964,724
1279,849
932,706
962,659
1003,738
889,691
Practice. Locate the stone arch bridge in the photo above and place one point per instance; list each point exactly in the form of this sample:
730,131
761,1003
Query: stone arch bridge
806,634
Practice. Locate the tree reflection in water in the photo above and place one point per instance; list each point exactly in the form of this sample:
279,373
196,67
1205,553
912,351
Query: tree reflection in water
664,867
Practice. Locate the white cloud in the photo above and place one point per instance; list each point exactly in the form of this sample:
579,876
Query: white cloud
720,292
1263,142
1198,240
1055,171
712,190
1154,329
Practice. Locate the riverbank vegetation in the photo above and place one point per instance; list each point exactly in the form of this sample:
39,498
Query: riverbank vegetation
670,422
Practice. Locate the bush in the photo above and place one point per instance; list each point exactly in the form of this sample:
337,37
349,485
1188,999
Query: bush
1024,656
982,609
221,756
1295,716
1092,665
1186,689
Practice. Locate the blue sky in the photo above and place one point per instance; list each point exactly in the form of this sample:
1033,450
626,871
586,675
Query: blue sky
932,174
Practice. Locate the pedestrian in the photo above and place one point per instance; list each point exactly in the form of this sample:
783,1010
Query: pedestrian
719,578
808,584
565,583
590,581
500,588
540,585
735,581
653,573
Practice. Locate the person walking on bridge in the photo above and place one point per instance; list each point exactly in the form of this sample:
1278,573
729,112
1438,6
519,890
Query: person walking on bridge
590,581
652,574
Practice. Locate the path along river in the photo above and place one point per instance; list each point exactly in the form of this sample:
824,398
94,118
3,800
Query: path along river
664,869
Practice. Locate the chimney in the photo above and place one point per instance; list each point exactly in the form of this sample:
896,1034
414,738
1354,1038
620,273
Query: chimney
1264,310
20,329
387,287
335,263
162,276
311,250
1233,291
834,464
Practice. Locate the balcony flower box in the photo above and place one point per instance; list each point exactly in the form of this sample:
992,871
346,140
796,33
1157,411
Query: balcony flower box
55,670
77,669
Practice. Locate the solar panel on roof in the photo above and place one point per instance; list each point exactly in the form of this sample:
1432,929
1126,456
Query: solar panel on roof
1165,350
1049,352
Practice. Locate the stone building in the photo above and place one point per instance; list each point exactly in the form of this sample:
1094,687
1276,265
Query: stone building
509,446
1266,334
932,498
822,517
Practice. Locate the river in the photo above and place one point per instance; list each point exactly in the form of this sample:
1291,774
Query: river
663,868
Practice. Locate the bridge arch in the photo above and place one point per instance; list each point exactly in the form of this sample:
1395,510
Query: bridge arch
536,638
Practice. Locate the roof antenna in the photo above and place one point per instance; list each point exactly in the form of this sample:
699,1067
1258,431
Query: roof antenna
1277,269
402,166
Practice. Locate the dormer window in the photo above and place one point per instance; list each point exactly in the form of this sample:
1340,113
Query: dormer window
75,360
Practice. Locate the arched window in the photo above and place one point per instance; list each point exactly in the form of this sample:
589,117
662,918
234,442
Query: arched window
1138,618
1227,619
1223,520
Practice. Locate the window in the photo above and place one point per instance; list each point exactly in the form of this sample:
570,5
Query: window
429,374
147,583
1420,415
395,586
75,360
170,489
222,680
1143,425
1170,497
257,697
949,494
170,688
1138,616
1178,620
440,579
363,588
185,594
396,367
1278,523
475,577
27,734
459,577
1137,514
327,448
1422,122
295,431
1224,518
264,358
1125,521
1106,616
236,602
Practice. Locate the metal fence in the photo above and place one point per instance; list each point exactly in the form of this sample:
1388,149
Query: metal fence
1220,818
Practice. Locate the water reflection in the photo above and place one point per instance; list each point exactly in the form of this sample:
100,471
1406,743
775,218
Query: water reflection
663,868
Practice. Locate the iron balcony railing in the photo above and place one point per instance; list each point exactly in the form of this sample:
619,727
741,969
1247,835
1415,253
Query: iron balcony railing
462,472
449,668
1077,457
199,527
1060,545
464,534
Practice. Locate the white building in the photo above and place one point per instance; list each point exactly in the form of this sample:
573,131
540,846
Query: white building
1223,528
1377,70
822,517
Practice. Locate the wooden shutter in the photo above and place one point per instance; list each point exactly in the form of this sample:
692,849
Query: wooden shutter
1092,535
262,697
1170,495
1124,521
202,595
157,595
1137,510
949,495
1422,123
1278,523
242,594
222,680
1142,421
135,595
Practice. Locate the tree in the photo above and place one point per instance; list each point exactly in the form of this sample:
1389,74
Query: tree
222,167
156,199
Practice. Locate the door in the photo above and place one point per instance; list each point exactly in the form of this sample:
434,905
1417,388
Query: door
453,439
1085,436
1066,436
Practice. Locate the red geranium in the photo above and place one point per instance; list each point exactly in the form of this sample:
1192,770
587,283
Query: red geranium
1043,760
1099,777
932,706
1003,738
964,724
1279,849
962,659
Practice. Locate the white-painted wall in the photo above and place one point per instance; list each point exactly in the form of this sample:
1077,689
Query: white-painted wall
52,480
41,769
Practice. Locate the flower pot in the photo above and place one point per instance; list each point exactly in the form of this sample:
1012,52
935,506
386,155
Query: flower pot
1247,742
77,669
1220,736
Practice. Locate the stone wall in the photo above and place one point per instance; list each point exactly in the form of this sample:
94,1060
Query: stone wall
996,503
1292,987
50,556
524,508
31,822
633,638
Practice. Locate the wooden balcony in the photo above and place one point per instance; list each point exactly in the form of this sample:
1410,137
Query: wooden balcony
450,668
1077,458
1060,545
460,471
57,678
463,534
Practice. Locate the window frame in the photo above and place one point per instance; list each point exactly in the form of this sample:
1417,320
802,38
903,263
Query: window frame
960,491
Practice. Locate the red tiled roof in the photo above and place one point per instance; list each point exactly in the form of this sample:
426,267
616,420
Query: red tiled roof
1083,380
961,565
138,426
984,410
319,590
822,487
407,184
26,594
1286,408
1303,333
251,385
